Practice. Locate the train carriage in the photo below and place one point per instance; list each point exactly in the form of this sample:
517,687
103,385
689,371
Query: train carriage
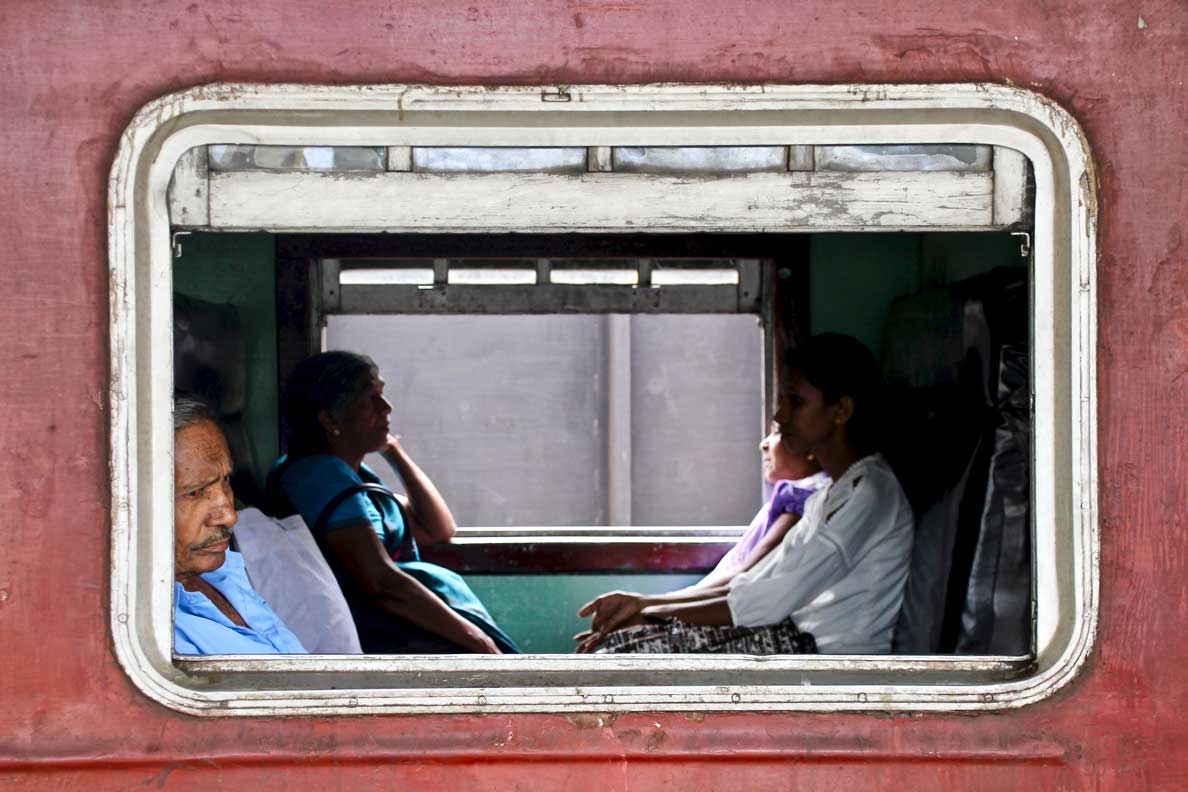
580,237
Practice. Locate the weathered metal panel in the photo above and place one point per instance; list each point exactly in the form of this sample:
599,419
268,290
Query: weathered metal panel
73,76
465,298
189,194
517,202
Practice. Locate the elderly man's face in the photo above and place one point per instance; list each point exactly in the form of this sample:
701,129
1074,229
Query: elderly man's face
203,506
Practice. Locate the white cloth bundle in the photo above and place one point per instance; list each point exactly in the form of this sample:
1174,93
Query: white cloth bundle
287,569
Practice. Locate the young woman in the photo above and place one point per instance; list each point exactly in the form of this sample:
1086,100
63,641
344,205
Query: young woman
337,414
835,583
794,478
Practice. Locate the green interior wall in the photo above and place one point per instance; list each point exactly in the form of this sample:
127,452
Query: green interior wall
239,269
853,278
515,603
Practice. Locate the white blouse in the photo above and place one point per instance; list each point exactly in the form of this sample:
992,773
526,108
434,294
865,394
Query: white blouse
840,571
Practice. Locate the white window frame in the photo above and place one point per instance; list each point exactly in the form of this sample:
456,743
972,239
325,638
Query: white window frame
1064,487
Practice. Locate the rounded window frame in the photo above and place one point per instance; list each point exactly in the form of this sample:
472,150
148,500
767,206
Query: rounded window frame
1064,348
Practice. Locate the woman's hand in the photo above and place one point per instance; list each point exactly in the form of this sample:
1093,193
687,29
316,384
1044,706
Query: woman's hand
366,560
429,518
591,640
480,642
612,611
392,446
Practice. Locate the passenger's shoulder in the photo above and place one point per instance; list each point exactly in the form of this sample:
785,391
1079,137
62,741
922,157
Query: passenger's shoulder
321,466
877,471
368,475
871,478
885,486
781,488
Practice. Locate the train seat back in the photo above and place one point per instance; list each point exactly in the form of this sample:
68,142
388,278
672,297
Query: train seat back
210,361
957,367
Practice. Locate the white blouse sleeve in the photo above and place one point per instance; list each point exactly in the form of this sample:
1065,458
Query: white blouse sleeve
771,598
850,519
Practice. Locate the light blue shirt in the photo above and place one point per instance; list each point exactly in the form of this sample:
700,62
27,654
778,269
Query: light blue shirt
200,628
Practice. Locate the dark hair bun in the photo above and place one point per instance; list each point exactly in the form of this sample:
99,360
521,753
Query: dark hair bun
323,382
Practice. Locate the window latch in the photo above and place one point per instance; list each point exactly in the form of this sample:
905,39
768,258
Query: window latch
558,93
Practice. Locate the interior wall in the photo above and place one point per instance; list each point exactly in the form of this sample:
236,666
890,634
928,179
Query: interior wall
855,277
238,269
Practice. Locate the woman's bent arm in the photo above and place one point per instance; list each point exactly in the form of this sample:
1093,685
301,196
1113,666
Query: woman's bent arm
770,541
429,517
359,549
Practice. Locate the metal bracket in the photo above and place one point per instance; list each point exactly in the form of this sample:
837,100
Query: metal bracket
175,242
1024,243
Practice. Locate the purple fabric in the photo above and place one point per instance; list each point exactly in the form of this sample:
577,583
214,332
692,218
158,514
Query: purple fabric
786,497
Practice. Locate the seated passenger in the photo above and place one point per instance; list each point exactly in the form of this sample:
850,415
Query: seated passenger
215,608
336,415
794,477
835,583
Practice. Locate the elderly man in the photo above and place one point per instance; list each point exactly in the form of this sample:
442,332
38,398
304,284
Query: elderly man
216,610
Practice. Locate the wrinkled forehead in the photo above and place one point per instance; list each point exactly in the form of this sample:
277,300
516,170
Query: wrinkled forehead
199,447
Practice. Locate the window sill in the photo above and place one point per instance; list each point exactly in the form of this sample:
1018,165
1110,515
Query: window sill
524,551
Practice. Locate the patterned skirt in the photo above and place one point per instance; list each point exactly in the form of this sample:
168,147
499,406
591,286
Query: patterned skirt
671,636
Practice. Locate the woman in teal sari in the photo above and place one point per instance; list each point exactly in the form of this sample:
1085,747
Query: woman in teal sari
337,414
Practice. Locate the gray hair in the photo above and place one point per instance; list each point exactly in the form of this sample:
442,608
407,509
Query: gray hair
189,410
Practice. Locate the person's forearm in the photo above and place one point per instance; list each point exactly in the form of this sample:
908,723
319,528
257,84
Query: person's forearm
770,541
409,599
425,503
715,611
685,595
710,582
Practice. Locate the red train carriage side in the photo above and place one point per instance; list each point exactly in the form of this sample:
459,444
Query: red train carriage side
867,162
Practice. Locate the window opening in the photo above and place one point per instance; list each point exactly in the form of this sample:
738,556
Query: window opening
498,160
904,158
297,158
699,159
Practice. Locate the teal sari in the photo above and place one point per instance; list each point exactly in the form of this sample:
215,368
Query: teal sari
310,484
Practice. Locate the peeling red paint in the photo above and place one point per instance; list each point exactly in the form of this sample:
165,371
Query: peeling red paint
71,77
